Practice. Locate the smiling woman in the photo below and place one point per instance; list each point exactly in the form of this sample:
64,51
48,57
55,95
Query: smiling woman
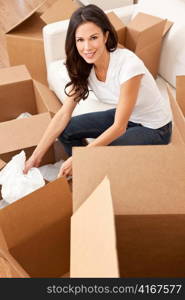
117,76
90,39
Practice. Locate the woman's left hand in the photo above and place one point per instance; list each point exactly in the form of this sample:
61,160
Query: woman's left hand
66,168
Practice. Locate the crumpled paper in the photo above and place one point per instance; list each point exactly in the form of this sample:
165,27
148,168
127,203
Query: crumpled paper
50,171
16,184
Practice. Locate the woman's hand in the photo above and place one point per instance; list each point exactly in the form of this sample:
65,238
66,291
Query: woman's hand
66,168
31,163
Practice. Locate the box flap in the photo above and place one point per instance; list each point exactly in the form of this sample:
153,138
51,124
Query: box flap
180,92
8,266
46,100
142,21
143,30
22,133
29,14
14,74
3,244
178,116
118,25
49,204
40,222
60,10
144,179
167,27
2,164
93,237
150,55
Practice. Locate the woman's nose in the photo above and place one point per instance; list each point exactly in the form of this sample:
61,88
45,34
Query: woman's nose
87,45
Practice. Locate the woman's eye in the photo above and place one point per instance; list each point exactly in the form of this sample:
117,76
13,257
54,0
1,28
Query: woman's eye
79,40
94,37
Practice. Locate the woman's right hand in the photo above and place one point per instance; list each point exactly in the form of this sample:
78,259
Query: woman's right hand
30,163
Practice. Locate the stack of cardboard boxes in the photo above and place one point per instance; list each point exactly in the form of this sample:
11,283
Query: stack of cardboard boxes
126,216
143,35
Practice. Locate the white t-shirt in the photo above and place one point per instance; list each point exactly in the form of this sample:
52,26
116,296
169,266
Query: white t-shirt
151,109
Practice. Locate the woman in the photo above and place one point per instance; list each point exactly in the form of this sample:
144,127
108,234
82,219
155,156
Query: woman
116,76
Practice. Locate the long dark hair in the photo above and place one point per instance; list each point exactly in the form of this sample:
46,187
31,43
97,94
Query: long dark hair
78,69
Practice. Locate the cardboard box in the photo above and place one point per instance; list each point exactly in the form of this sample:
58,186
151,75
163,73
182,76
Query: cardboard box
143,35
36,230
147,188
25,42
20,93
24,134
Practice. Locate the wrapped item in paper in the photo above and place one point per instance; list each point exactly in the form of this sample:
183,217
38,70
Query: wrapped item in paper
16,184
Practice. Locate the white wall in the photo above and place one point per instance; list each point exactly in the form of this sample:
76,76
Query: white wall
108,4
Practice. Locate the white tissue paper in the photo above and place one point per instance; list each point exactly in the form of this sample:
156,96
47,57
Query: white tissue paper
50,172
16,184
24,115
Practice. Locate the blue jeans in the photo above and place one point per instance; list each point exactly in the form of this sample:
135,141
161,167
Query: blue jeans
91,125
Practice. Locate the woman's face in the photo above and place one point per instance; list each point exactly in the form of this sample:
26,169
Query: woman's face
90,42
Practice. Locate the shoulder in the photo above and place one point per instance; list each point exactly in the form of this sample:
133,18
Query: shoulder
125,58
130,64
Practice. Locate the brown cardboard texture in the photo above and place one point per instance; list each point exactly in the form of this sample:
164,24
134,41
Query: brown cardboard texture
147,187
9,268
60,10
88,245
180,92
119,26
143,35
2,164
36,229
20,93
25,41
143,30
152,51
178,133
24,134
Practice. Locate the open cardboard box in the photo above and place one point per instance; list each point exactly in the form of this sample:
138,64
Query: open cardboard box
147,187
143,35
24,134
20,93
36,231
25,41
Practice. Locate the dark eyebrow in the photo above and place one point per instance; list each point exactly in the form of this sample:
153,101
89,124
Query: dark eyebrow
78,37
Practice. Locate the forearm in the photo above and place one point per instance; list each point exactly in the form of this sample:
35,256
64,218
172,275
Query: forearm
56,126
108,136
